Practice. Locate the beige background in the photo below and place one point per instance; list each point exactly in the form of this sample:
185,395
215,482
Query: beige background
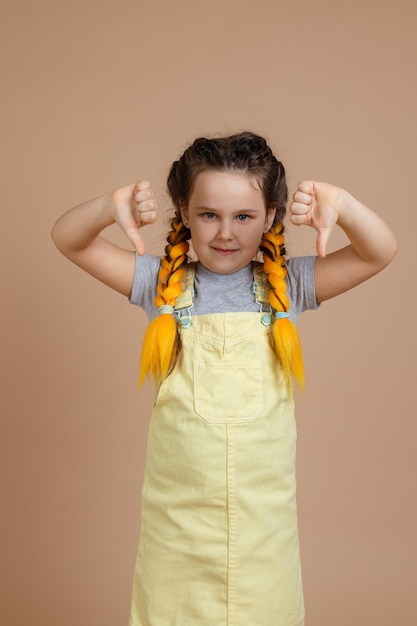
98,93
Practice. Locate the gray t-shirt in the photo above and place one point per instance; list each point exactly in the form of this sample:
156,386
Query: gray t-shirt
226,293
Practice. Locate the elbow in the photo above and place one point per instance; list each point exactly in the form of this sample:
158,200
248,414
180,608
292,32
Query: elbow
59,238
393,250
389,254
55,236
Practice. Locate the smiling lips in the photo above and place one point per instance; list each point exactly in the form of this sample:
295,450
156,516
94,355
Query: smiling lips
224,251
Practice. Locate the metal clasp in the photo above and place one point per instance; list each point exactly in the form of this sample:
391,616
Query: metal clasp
185,318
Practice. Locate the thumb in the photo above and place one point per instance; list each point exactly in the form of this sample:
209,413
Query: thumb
133,235
322,239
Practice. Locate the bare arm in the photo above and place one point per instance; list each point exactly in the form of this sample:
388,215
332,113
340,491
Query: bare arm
372,246
77,233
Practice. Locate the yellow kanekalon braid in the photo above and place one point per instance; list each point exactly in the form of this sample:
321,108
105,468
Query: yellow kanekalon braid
286,337
160,347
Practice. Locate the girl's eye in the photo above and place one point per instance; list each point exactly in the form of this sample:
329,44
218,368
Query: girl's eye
243,218
209,215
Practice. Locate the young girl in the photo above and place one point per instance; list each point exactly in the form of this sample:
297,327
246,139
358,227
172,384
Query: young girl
219,540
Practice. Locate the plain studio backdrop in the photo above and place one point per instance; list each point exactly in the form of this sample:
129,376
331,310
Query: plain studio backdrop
97,94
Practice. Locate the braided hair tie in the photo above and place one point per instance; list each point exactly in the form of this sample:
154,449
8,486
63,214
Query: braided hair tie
166,309
281,314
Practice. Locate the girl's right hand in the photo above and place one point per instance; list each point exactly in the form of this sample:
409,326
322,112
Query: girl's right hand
132,207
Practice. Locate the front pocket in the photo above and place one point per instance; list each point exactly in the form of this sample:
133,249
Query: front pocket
228,391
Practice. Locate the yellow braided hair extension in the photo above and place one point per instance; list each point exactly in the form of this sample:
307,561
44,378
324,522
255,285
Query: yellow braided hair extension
161,343
286,337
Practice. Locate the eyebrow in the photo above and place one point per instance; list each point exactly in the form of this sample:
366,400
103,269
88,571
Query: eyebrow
239,212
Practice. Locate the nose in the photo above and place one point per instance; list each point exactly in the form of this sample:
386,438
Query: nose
225,232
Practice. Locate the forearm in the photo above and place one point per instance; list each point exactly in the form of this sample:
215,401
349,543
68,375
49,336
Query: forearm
77,233
372,244
371,238
79,227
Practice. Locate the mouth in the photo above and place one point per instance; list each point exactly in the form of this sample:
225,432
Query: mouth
224,251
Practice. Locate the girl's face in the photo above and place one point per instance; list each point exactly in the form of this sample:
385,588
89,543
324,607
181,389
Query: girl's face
227,217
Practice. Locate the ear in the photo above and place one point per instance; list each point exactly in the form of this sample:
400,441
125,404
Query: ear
270,216
184,213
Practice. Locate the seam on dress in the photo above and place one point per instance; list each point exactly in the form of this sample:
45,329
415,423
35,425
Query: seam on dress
231,478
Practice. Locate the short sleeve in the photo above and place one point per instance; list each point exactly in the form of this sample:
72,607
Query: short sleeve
144,283
301,285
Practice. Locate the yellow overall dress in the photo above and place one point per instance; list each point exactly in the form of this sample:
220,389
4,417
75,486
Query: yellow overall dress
219,536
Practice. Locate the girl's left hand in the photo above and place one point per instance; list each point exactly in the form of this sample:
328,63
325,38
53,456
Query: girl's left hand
317,205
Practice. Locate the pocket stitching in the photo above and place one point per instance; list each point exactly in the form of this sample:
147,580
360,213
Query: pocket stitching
244,411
